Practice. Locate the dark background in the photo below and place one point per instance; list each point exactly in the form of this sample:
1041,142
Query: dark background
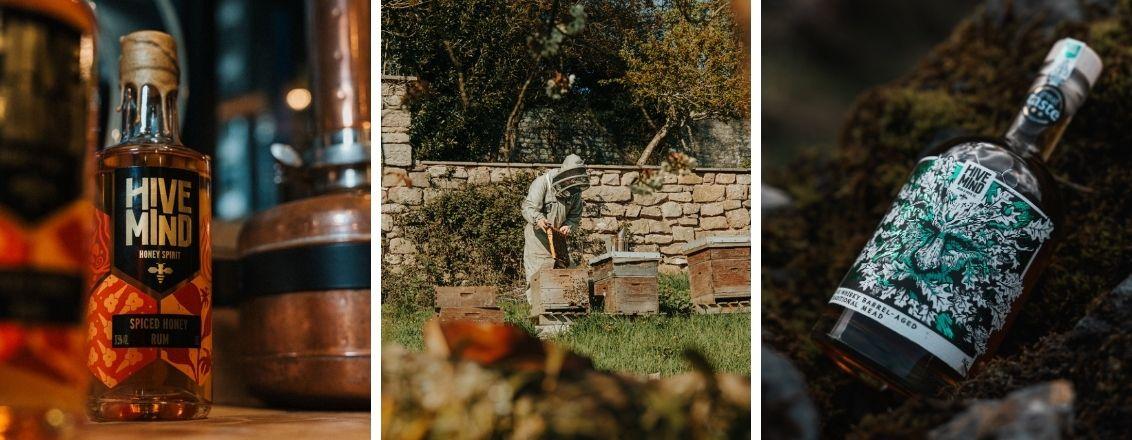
239,58
817,55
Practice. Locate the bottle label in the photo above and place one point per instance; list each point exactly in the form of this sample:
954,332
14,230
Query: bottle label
156,217
947,262
151,297
1044,106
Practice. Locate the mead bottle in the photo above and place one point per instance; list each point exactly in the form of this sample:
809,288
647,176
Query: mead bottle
937,286
149,315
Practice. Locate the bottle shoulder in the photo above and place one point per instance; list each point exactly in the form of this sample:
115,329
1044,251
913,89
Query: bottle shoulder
154,155
1027,175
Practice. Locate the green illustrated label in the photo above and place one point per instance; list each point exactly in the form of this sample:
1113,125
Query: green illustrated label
947,262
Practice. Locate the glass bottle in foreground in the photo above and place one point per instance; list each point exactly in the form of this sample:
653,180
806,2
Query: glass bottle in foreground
149,315
935,289
47,112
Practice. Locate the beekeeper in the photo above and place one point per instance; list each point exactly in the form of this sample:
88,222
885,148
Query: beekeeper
553,209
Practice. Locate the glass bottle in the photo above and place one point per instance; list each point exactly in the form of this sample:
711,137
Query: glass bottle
935,289
47,113
149,315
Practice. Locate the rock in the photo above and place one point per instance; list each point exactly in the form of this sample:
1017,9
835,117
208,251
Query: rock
613,194
632,211
690,208
394,138
499,174
673,249
673,188
419,180
658,239
688,179
612,209
774,198
1039,412
405,195
391,177
392,208
711,209
670,210
611,179
713,223
725,178
743,179
386,222
628,178
787,411
738,218
648,199
680,196
689,221
640,227
651,212
709,178
437,171
738,192
708,193
398,155
732,204
479,176
401,246
683,233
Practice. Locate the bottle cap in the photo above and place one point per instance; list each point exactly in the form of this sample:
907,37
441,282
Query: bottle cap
149,57
1068,55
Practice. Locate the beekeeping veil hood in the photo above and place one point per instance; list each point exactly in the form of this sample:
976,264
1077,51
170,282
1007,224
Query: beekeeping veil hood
571,175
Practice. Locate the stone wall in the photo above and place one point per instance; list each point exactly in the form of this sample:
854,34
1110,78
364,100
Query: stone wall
709,201
704,203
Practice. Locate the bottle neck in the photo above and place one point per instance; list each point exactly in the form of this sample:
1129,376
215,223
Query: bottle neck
148,116
1046,113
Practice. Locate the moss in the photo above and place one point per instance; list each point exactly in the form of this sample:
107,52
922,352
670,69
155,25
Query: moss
973,83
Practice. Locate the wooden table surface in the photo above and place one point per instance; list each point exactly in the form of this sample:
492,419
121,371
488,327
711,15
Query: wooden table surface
227,422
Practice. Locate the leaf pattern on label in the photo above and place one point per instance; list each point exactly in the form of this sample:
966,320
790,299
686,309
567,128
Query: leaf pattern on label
99,261
114,296
14,246
194,298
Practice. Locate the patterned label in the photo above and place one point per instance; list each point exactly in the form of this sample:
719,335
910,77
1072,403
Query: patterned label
152,218
155,226
946,263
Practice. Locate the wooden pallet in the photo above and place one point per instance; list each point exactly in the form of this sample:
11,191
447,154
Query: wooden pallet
549,324
740,306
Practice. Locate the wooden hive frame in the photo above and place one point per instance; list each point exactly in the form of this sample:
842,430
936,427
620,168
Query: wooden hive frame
560,290
468,303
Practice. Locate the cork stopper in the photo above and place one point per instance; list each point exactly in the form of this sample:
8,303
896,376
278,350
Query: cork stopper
149,57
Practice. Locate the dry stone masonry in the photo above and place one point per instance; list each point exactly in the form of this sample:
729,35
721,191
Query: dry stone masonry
706,202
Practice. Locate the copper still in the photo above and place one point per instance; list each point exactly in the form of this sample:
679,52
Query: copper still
305,264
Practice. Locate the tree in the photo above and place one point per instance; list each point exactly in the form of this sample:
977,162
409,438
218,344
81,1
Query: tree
686,65
481,64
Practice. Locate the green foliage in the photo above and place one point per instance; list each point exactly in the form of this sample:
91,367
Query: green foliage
474,235
675,294
477,59
687,64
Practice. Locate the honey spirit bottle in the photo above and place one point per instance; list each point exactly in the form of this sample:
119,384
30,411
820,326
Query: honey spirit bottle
46,114
149,314
939,283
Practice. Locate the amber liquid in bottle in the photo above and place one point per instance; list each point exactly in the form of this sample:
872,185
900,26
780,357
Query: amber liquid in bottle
938,285
150,311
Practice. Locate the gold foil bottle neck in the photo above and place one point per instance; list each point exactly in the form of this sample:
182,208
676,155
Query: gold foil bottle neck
149,57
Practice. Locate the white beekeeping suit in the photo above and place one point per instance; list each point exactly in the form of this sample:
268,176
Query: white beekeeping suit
562,212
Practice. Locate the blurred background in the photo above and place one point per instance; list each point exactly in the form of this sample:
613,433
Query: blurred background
244,85
817,55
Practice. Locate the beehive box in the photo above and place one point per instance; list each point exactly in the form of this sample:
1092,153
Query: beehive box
626,282
476,314
468,303
720,272
465,296
559,290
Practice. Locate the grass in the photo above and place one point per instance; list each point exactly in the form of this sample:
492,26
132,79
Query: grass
642,345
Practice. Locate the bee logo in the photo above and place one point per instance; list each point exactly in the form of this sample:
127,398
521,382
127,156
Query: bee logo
161,271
